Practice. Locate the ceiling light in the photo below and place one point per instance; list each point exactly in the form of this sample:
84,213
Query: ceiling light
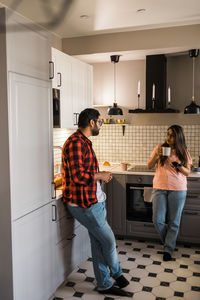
140,10
115,110
85,17
193,108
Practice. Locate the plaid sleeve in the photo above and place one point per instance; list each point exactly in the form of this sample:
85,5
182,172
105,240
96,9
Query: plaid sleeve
76,164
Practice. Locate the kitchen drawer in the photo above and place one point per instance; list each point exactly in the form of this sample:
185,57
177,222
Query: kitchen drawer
190,224
142,229
65,228
193,183
140,179
61,210
193,200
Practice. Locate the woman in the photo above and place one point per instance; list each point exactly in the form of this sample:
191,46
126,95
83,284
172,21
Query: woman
170,187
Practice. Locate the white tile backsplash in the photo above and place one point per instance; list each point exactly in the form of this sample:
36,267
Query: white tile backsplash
135,146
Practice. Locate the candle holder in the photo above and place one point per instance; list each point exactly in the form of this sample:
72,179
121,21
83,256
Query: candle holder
169,109
138,110
153,103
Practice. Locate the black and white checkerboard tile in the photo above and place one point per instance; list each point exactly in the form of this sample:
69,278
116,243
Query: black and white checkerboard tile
150,277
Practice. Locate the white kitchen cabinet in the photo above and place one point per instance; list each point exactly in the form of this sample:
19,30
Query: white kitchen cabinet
82,87
27,46
75,81
71,251
62,81
72,242
26,160
33,255
30,140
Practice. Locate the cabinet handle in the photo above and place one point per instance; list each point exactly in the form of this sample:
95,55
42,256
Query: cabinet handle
193,213
71,238
76,118
140,188
59,85
53,190
51,76
192,196
149,225
192,179
54,212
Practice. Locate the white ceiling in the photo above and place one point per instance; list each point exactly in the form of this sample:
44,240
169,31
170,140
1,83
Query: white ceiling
106,16
130,55
62,17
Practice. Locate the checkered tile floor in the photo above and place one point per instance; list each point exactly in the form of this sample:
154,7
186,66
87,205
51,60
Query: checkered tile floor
150,277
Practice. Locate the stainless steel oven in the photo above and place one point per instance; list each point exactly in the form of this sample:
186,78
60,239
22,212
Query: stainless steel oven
138,202
139,206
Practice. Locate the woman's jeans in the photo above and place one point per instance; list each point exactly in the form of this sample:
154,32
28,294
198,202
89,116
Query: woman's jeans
103,244
168,204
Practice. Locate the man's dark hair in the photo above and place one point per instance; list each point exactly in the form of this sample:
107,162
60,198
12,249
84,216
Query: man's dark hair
86,115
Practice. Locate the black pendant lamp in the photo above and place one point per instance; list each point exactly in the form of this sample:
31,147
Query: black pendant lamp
193,108
115,110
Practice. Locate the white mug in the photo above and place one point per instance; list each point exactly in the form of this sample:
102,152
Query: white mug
166,151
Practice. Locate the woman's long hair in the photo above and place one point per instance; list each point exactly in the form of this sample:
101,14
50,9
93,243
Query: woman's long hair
180,145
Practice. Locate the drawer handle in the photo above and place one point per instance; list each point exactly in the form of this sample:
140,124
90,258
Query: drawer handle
192,196
149,225
54,212
190,213
140,188
193,179
71,238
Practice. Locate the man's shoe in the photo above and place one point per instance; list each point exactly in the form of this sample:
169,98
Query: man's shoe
121,282
167,256
116,291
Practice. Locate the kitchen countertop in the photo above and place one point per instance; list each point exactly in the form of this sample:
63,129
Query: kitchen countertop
116,169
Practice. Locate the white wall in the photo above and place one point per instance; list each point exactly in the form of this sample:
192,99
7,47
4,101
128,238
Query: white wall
127,75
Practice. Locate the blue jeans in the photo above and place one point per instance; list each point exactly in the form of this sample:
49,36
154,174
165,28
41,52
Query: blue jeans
103,245
168,203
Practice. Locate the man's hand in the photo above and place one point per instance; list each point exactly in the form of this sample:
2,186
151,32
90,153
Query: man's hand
104,176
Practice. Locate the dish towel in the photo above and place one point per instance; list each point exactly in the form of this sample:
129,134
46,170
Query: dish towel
147,194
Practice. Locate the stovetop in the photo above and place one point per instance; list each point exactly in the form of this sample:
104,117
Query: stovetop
141,168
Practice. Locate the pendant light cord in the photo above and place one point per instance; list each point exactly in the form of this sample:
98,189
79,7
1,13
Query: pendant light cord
193,78
114,83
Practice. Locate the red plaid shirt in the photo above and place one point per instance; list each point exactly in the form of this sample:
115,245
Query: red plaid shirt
79,164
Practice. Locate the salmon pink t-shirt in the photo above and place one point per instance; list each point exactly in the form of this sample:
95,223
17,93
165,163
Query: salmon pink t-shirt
166,177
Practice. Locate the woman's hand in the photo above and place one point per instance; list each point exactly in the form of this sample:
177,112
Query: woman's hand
152,161
159,151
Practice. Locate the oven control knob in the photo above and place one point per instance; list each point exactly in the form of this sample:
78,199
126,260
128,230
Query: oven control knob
139,179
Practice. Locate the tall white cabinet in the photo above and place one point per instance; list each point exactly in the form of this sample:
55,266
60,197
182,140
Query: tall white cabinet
74,79
26,227
39,245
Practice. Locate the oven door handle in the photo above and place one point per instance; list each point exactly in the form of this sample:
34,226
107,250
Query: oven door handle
140,188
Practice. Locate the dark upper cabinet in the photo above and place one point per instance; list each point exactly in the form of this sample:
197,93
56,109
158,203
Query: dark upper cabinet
156,74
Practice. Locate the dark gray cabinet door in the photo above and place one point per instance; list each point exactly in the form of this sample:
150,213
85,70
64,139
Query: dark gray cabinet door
190,221
190,224
116,204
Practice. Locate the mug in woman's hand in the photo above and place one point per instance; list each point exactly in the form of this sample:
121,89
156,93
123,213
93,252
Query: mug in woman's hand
166,151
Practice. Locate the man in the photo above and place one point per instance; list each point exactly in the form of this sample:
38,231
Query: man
83,195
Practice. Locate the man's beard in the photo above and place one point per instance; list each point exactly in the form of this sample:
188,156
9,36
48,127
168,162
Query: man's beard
95,130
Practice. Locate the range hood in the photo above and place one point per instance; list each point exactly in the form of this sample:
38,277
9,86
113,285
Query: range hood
156,74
